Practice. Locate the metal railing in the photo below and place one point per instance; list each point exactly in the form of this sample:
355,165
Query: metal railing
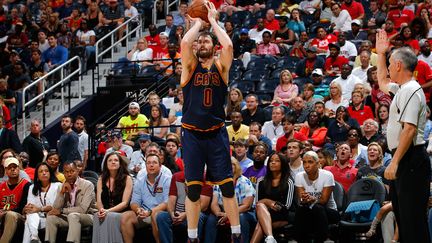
167,6
45,92
113,34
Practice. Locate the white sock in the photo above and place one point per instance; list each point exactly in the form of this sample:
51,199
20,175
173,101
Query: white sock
235,229
193,233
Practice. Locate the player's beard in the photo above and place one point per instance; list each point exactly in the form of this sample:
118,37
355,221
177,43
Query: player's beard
204,53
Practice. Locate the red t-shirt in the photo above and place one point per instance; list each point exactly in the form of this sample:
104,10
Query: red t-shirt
159,52
414,44
282,140
180,164
345,176
398,17
273,25
361,115
355,9
152,42
423,74
335,64
323,44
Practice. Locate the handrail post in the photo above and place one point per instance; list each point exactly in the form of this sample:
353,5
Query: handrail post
112,49
80,78
127,36
61,88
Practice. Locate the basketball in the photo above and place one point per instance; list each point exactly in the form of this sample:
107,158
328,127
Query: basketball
197,9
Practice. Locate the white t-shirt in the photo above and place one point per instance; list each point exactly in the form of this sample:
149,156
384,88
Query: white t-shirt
143,55
342,22
137,158
413,112
85,36
347,85
82,143
426,59
130,13
315,188
361,73
330,105
272,132
257,35
348,50
295,171
309,6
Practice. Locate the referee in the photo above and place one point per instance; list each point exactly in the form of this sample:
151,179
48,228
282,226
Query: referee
410,166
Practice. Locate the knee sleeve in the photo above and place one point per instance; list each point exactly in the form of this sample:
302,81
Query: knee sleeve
194,192
227,189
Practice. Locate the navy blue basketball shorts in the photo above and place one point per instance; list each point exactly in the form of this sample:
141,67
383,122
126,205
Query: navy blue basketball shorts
206,148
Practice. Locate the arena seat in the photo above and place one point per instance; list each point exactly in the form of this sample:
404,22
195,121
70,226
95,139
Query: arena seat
245,86
255,75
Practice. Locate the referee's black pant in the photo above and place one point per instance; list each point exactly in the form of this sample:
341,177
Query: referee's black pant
410,194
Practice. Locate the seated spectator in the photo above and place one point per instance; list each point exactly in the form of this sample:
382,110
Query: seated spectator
245,196
294,151
299,47
137,161
252,113
366,45
86,38
139,56
354,136
312,61
235,102
270,22
172,146
315,133
7,94
237,130
257,171
113,16
356,35
13,196
347,48
299,110
169,161
257,32
71,213
324,158
286,7
130,12
53,161
334,62
378,96
347,81
339,126
74,20
275,194
156,119
273,129
408,38
149,197
400,15
153,99
240,153
166,167
425,52
375,168
37,68
253,7
243,45
169,28
323,40
153,37
132,124
161,50
43,41
286,90
170,59
266,47
358,110
255,136
341,19
309,7
319,107
288,123
309,97
361,71
114,190
343,170
117,145
325,12
383,117
56,54
283,37
314,188
175,218
46,186
180,17
24,158
93,16
295,23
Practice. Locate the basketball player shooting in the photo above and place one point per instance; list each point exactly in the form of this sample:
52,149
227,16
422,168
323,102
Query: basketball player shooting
204,137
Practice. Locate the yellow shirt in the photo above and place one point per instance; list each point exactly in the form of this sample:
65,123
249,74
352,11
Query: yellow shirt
242,132
131,126
60,177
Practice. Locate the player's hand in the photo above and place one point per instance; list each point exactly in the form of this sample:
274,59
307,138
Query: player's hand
390,172
382,42
212,11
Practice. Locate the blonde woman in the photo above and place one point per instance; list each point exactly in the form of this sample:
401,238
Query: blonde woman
235,101
286,90
336,99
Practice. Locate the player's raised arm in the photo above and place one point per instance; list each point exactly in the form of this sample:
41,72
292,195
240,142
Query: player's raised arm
226,55
188,56
382,44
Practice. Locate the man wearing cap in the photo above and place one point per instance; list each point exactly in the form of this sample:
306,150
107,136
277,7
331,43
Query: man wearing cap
356,35
117,145
425,52
312,61
68,143
162,49
137,159
13,195
334,61
321,89
133,124
244,44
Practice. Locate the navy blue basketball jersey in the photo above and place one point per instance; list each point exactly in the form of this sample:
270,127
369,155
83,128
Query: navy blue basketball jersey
204,98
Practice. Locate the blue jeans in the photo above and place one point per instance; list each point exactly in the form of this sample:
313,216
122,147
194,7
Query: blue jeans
247,222
165,226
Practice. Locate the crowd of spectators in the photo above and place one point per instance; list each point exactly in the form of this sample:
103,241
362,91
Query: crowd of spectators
324,123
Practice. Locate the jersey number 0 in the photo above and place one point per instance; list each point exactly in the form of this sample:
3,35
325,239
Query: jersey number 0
207,101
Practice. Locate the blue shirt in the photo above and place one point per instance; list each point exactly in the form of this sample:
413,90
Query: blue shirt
427,130
243,189
363,157
56,55
147,196
297,27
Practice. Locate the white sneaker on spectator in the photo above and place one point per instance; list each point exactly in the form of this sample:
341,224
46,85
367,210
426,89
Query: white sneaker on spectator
270,239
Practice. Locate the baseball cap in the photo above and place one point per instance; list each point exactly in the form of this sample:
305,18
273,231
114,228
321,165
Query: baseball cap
312,49
10,161
335,45
422,42
144,136
244,31
356,21
134,105
163,34
317,71
116,133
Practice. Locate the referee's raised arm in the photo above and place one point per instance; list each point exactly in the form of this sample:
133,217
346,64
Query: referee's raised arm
382,45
